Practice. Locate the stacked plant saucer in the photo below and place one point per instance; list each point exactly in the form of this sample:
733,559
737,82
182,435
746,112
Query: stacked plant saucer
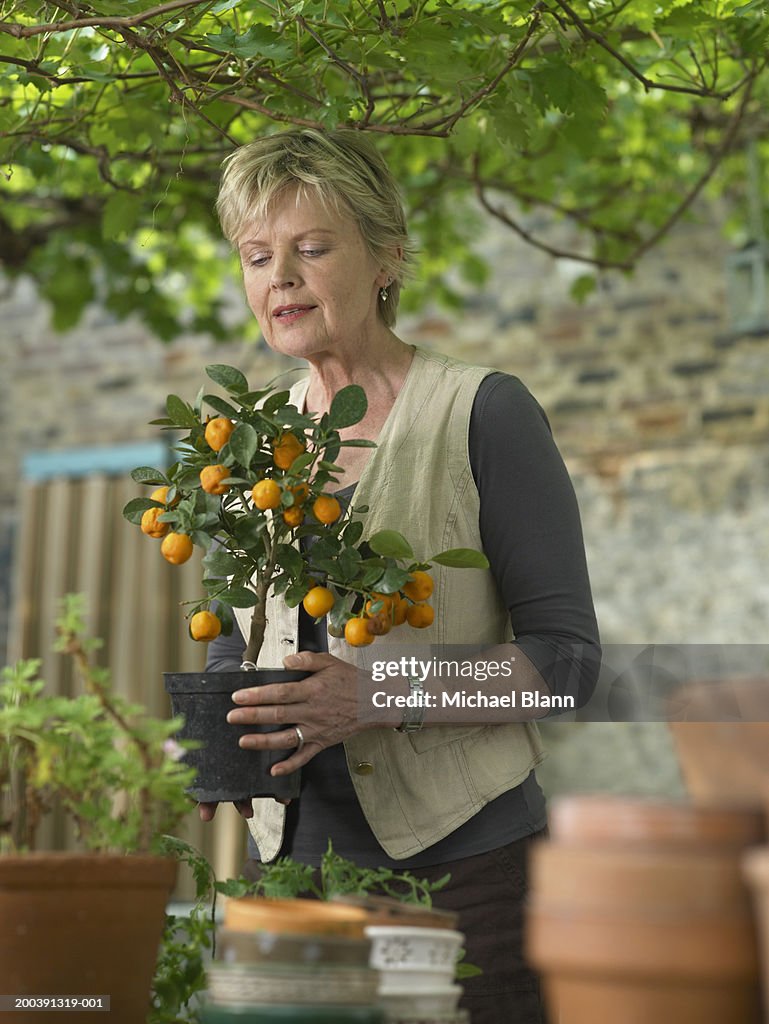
298,961
415,951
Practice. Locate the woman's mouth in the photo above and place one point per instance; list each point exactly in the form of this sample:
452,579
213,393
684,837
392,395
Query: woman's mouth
288,314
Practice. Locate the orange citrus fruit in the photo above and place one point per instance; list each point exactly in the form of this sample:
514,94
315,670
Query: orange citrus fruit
386,601
326,509
293,516
176,548
356,633
420,615
419,587
266,494
400,607
218,432
161,494
300,493
150,524
205,626
380,624
285,449
318,602
211,479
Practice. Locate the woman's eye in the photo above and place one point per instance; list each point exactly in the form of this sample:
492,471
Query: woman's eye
313,252
257,261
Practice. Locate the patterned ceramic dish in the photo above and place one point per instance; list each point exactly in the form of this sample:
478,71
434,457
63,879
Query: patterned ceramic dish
239,947
405,1003
414,979
275,984
397,947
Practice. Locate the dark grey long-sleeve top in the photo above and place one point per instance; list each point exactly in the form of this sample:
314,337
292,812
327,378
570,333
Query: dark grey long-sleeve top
532,536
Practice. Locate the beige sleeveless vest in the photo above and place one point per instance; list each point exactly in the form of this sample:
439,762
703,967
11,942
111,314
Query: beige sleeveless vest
415,788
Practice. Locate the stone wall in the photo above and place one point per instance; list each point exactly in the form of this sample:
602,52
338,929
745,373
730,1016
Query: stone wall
661,413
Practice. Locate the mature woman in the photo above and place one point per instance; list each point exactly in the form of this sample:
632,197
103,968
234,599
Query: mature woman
464,457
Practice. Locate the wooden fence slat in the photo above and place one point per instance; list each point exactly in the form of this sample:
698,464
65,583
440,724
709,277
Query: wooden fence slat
20,640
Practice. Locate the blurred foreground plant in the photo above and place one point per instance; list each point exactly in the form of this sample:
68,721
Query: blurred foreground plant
109,766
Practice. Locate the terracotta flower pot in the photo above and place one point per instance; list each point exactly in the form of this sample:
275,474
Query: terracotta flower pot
601,819
294,917
723,748
86,925
638,912
755,866
225,771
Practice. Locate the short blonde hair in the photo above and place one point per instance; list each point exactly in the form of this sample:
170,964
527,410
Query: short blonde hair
344,170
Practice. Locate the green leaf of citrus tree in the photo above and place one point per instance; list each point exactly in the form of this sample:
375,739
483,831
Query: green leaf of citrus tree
221,563
390,544
147,475
347,407
228,377
135,508
244,442
180,412
461,558
239,597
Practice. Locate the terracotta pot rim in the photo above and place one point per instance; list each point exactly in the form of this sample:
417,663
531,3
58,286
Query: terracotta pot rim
617,820
648,860
61,869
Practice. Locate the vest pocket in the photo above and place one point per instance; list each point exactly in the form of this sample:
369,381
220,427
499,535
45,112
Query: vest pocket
438,736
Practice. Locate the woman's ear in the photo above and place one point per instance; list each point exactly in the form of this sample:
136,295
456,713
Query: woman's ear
386,277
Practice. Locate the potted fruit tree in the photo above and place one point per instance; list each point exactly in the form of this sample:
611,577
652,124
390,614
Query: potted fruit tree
254,487
70,922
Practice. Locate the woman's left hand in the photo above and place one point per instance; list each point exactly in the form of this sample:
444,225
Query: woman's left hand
324,706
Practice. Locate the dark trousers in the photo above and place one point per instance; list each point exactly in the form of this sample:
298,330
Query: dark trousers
488,892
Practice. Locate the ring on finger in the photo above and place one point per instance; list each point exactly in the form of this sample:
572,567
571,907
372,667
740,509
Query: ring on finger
299,738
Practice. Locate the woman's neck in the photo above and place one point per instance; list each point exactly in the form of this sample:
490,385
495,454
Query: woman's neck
380,372
382,381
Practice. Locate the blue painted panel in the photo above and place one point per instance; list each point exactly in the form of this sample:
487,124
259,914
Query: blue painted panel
112,460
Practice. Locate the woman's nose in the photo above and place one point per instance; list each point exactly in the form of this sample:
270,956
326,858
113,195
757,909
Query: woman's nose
283,272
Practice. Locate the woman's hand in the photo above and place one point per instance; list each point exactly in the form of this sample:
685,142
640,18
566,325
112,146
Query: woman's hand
324,706
243,807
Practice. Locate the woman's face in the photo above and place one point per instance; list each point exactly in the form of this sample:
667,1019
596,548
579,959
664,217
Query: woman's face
310,280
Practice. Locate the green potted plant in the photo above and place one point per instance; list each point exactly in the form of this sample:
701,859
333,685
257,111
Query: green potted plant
250,483
71,922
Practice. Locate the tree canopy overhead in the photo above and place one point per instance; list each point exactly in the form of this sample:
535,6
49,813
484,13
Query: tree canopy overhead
115,117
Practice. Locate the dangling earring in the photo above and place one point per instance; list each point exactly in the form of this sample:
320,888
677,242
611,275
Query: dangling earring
383,292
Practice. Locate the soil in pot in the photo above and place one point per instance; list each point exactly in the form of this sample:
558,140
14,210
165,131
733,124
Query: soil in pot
226,772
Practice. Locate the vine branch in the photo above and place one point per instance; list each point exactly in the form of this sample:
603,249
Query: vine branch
25,31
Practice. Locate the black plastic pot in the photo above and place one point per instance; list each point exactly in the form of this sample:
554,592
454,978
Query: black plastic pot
225,771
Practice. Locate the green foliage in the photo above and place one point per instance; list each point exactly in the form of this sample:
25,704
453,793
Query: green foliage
251,551
180,971
114,119
285,878
113,769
